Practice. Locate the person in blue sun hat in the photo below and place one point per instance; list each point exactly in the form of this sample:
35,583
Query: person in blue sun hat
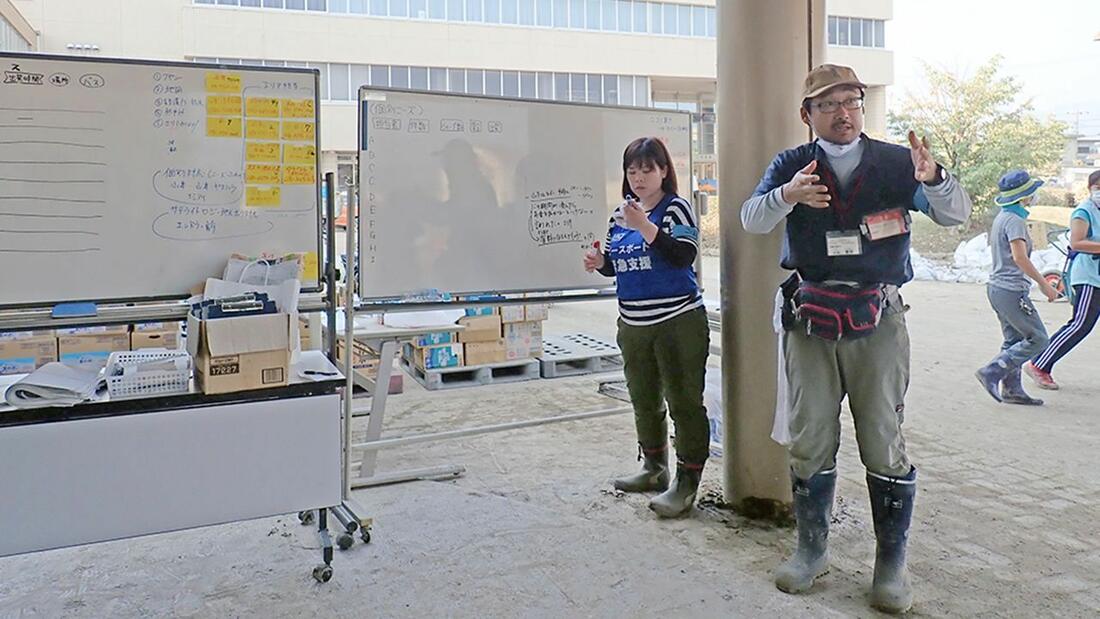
1008,291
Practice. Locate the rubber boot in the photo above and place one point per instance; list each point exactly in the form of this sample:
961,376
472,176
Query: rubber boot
680,497
1012,390
654,474
813,506
892,509
990,377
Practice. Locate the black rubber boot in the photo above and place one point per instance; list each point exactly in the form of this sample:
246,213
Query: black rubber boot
990,377
680,497
1012,390
654,474
892,509
813,506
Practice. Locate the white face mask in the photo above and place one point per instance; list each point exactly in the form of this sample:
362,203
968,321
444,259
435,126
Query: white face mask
837,150
1095,195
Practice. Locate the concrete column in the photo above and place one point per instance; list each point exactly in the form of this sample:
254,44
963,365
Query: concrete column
764,52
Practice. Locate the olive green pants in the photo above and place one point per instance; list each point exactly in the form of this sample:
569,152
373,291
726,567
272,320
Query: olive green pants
667,362
873,372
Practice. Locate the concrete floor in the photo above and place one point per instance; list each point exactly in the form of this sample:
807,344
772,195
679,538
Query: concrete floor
1004,525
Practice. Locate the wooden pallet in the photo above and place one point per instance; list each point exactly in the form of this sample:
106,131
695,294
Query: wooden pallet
577,353
473,376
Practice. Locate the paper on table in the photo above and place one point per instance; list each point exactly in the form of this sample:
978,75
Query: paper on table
53,384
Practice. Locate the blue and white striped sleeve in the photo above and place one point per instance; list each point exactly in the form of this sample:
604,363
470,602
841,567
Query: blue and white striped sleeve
680,222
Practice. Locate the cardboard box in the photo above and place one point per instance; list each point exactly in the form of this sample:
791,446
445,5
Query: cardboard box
511,313
435,339
479,328
434,357
482,353
90,351
365,363
238,354
102,330
26,354
522,339
487,310
27,335
536,312
167,339
156,326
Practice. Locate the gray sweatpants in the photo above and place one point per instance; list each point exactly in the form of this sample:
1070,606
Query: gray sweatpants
1024,333
873,372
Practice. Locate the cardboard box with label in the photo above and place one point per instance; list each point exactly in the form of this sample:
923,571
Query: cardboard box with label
90,350
238,354
479,328
522,340
483,353
540,311
27,353
434,357
435,339
511,313
167,338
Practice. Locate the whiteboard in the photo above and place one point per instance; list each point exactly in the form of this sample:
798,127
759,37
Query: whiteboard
470,194
126,180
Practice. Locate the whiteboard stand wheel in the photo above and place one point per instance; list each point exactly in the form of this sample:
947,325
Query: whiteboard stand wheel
365,536
322,573
305,517
344,541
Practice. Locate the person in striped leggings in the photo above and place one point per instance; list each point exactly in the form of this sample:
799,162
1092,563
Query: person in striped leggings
652,241
1084,276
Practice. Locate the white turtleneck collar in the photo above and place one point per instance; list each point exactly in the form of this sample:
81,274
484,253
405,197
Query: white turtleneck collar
838,150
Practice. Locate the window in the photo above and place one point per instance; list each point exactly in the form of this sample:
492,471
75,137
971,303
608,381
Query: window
360,76
418,9
592,15
561,86
626,16
561,13
527,12
418,78
297,5
475,82
855,35
379,75
842,31
699,21
455,10
880,33
831,27
256,2
357,7
683,15
670,19
399,8
641,16
546,85
656,17
456,80
544,14
712,22
576,87
509,14
511,84
313,5
609,15
576,13
626,90
595,88
641,91
273,4
334,6
323,68
869,32
610,90
492,11
473,11
492,83
379,8
338,82
527,85
399,77
437,9
230,2
437,79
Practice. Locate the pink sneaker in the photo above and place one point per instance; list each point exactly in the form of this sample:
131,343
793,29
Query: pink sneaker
1043,379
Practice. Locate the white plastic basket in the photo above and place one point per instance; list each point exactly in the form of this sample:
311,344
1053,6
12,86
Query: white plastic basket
127,379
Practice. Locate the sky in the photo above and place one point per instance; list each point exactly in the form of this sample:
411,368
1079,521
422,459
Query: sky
1048,45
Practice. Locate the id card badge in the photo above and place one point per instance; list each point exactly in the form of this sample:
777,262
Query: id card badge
843,243
885,224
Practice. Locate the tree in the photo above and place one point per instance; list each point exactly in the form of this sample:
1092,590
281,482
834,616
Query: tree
980,128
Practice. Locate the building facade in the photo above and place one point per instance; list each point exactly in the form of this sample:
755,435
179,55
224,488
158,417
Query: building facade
16,33
617,52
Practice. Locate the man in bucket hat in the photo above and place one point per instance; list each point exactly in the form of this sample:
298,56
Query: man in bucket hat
846,200
1008,290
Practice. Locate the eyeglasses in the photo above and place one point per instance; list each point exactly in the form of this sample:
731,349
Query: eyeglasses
828,107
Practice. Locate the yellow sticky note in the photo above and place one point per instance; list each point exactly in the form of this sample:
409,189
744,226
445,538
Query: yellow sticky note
299,175
298,108
297,131
262,129
262,196
223,82
311,267
223,127
262,107
294,153
262,151
223,105
261,173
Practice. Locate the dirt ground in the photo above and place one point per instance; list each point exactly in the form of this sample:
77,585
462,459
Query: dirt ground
1004,524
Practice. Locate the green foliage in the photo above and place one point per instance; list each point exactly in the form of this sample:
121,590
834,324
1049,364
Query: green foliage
980,128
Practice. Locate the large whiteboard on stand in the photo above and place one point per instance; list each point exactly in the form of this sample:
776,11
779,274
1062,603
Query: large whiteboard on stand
128,180
467,194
